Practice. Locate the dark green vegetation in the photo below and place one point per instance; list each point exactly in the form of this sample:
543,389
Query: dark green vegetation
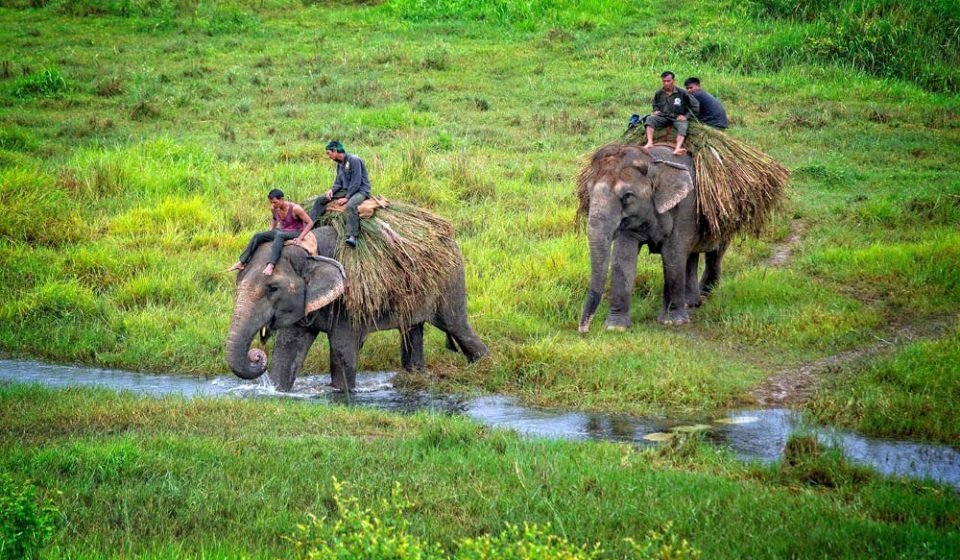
138,140
175,478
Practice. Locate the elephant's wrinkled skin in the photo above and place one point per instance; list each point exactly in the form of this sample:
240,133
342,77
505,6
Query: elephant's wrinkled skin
646,198
302,299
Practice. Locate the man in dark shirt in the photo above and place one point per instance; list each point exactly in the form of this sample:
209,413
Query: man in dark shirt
711,111
351,183
671,107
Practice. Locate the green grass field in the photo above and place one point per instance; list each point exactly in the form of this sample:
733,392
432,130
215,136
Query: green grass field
138,139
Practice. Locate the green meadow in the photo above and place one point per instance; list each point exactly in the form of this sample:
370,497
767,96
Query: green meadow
138,140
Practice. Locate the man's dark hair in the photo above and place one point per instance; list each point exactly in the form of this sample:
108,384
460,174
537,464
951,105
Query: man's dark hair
274,194
336,146
691,81
668,73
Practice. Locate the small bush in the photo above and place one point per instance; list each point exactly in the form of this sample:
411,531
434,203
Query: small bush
45,83
25,525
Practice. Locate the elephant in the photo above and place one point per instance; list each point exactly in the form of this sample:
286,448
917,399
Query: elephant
302,298
638,198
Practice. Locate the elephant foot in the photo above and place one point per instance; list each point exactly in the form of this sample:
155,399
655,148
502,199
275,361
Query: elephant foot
341,383
694,301
618,323
674,317
282,383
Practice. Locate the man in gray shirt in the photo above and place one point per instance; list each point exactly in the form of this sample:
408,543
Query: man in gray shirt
351,183
672,106
711,111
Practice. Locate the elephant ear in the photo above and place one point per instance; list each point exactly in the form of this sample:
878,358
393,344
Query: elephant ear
672,184
325,280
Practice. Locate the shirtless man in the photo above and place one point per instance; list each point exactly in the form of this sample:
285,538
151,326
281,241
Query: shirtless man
289,221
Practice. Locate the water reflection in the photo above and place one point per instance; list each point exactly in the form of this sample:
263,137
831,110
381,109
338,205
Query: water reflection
759,434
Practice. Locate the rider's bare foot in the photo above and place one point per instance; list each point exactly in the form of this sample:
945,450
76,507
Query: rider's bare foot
680,152
268,270
647,146
236,266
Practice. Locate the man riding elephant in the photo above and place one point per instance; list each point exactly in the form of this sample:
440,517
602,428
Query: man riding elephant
672,106
351,183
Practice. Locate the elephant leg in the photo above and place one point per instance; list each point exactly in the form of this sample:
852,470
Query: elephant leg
289,352
344,346
674,310
461,335
451,318
411,348
692,290
624,274
711,272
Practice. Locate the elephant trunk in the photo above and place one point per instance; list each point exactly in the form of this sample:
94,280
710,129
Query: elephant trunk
244,363
600,227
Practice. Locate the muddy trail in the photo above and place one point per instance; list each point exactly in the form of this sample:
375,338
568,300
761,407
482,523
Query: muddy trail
795,385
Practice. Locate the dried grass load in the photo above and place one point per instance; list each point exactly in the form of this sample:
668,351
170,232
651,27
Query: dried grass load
403,258
739,186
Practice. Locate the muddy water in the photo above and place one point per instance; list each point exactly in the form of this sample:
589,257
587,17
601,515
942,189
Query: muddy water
757,434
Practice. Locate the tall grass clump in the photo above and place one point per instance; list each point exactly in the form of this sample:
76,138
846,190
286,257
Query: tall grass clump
913,41
35,209
48,82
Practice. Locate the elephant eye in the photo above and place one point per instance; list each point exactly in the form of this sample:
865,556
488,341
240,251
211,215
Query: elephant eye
272,288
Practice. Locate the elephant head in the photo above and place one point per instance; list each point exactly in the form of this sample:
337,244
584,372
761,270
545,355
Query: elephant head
627,191
300,284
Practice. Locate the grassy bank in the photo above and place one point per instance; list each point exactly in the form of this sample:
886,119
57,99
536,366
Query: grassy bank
229,478
138,140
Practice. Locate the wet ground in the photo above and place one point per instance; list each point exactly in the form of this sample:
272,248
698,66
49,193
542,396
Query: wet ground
753,434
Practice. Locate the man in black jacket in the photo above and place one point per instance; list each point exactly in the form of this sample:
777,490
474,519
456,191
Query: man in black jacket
711,111
671,107
351,183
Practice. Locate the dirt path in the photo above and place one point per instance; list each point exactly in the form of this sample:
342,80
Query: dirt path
783,251
795,385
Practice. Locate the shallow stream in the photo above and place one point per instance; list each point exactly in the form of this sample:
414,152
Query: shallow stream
753,434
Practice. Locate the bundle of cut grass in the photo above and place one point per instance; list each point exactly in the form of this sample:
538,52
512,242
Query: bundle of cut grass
739,187
403,257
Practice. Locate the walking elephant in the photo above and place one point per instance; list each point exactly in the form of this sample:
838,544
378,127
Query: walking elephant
302,299
639,198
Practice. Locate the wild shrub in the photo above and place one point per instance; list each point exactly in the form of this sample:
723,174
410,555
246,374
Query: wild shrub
25,525
48,82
